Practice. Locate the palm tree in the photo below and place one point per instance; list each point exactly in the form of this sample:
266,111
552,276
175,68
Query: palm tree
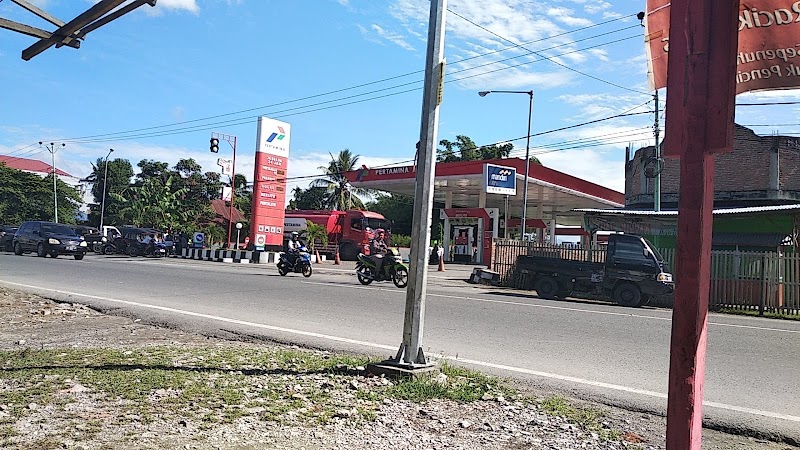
315,232
341,195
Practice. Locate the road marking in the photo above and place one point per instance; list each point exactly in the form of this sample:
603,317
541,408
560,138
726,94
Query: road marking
561,308
522,370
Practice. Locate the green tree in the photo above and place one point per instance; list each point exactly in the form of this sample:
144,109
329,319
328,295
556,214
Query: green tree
316,233
340,194
153,204
464,149
26,196
120,172
311,198
396,207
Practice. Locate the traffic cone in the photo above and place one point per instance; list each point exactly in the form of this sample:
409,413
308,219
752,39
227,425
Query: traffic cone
336,260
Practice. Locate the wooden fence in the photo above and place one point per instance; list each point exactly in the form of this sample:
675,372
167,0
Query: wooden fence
760,281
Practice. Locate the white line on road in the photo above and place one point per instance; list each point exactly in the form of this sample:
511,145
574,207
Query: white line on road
522,370
561,308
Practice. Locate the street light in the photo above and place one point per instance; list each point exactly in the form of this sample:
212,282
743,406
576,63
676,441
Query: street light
238,230
52,150
103,201
527,151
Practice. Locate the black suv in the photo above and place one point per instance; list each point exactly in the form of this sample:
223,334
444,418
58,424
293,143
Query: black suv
48,238
7,237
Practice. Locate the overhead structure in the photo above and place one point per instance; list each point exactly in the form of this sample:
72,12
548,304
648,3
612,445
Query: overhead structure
72,32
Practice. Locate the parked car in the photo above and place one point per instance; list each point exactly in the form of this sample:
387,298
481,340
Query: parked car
91,235
48,238
7,237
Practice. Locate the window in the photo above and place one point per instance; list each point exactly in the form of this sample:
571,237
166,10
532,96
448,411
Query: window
356,224
628,248
377,223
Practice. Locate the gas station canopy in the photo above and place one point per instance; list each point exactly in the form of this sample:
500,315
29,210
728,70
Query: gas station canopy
551,194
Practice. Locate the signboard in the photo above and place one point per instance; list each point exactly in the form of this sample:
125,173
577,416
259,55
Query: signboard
768,57
226,193
269,186
226,165
499,179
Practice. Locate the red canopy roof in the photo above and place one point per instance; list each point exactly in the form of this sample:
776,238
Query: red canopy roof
31,165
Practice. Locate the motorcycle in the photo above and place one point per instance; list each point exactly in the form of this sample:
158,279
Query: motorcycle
302,263
156,249
393,269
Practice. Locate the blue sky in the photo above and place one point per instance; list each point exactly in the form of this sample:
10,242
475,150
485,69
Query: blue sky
183,61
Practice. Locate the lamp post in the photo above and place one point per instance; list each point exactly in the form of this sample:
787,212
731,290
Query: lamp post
105,183
52,149
527,152
238,230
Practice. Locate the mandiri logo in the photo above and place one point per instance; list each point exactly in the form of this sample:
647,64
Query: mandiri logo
279,135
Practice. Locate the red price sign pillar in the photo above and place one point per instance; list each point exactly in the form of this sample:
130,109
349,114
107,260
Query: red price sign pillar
269,183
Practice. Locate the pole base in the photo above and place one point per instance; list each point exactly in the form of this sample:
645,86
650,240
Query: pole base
393,369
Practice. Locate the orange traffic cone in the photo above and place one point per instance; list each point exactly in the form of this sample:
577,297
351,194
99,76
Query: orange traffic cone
336,260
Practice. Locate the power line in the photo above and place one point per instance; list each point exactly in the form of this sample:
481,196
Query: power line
545,57
91,138
288,112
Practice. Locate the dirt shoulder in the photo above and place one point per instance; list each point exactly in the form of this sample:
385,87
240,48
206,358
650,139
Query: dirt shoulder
71,377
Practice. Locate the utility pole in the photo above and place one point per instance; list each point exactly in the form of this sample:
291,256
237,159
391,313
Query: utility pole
105,184
410,357
52,149
657,187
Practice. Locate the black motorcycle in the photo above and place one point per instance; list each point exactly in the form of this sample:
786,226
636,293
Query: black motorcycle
302,263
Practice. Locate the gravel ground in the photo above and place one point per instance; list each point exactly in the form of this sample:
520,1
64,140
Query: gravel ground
356,420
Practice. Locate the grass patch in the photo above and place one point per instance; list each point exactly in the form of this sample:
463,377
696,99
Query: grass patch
754,313
212,386
587,418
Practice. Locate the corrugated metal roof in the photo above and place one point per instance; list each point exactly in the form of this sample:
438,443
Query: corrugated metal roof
748,210
31,165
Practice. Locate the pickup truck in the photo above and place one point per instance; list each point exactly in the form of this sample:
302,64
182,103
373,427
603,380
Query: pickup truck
628,271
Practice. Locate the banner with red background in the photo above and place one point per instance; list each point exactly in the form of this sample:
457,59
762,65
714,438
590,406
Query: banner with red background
269,183
768,54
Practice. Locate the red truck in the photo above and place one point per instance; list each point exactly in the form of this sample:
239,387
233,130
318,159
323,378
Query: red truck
350,230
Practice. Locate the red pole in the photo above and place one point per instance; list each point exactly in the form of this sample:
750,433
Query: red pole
700,109
230,209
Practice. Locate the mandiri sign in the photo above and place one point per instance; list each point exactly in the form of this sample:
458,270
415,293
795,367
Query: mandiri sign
768,56
499,179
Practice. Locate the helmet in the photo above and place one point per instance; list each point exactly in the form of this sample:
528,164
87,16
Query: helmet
380,231
295,235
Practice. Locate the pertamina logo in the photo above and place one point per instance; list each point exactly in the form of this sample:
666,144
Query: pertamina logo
279,135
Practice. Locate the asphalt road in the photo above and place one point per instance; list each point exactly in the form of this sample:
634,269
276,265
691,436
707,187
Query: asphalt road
588,349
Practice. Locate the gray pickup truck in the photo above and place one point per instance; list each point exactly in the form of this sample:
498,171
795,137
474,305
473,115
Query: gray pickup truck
628,271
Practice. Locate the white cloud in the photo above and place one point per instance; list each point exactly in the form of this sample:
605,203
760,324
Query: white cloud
395,38
188,5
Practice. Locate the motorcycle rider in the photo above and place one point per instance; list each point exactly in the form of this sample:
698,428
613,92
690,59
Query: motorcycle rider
377,251
293,246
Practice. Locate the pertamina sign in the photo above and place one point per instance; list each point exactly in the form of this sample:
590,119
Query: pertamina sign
269,186
768,55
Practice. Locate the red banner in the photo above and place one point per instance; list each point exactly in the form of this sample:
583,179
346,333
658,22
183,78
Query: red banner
768,55
269,183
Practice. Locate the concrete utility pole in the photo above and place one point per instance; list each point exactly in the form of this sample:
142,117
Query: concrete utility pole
410,356
105,183
52,149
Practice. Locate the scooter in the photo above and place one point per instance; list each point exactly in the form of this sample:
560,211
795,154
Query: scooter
302,264
393,269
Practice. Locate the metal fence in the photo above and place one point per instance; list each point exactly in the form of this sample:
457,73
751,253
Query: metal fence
758,281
